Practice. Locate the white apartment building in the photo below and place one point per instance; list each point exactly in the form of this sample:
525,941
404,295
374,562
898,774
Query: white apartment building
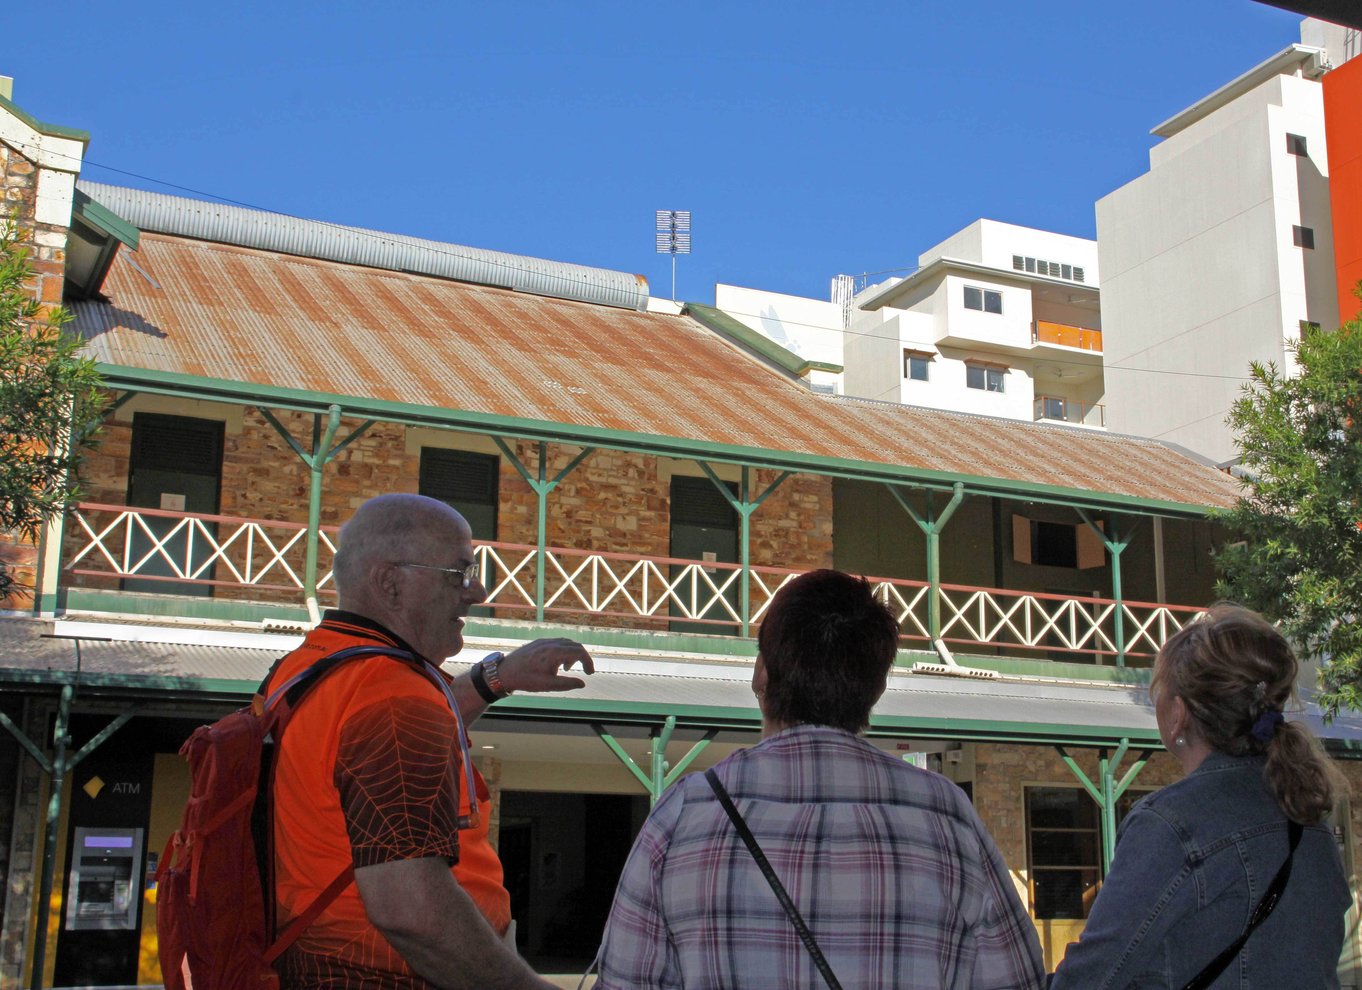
998,319
1223,250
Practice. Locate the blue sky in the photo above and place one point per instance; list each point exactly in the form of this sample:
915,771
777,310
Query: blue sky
807,139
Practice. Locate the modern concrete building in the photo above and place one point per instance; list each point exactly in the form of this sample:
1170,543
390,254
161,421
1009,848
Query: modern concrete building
997,320
1223,251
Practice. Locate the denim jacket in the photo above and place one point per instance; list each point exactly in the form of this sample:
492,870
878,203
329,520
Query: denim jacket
1192,861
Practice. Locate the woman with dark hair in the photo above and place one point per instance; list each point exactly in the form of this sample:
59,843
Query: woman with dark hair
1188,901
888,865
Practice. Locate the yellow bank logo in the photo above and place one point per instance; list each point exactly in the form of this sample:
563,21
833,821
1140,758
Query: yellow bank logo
93,786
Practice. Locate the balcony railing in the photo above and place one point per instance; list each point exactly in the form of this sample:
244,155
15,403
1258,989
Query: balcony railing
1065,335
259,560
1069,411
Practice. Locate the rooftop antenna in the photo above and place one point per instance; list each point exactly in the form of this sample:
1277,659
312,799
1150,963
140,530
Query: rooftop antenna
673,237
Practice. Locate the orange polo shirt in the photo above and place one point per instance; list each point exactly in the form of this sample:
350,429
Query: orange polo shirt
368,772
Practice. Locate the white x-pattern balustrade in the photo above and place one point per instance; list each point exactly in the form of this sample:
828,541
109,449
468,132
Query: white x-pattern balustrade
187,548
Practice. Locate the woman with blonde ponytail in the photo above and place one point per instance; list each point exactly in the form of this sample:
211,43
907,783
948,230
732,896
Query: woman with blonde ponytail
1198,860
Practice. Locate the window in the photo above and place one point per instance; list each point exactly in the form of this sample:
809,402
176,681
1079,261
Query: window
985,300
1063,849
1309,327
1053,544
916,365
1303,237
986,377
466,481
1295,144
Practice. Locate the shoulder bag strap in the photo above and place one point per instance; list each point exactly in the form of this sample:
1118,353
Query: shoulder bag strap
1264,908
764,865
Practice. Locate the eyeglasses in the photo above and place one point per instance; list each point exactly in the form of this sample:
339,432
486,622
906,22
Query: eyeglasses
466,575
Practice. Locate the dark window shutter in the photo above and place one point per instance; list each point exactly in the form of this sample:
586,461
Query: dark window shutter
696,502
458,477
176,443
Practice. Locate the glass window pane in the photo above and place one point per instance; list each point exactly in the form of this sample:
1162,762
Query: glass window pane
1054,408
1063,893
974,376
995,379
993,302
917,368
1064,849
1060,807
974,298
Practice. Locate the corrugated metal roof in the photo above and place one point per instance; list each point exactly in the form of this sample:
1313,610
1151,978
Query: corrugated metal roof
376,249
237,314
924,705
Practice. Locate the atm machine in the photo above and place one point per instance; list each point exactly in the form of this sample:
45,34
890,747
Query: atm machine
104,886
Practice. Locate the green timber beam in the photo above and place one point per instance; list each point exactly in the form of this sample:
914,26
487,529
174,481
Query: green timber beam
323,451
1107,790
658,777
56,768
541,485
1115,545
744,505
411,414
931,526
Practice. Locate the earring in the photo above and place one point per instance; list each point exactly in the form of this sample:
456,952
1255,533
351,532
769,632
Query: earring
1180,741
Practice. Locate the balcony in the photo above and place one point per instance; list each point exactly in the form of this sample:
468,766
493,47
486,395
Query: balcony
1063,335
115,554
1050,407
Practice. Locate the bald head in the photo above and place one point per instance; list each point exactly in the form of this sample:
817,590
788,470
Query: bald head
390,528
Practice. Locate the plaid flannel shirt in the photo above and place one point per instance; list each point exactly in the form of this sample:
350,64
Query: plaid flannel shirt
889,865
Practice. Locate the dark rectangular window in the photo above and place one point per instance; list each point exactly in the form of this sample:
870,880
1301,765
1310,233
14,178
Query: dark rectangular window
466,481
1303,237
985,377
1054,544
916,365
1295,144
1063,849
984,300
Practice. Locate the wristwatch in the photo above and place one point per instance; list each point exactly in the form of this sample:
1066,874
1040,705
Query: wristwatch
486,677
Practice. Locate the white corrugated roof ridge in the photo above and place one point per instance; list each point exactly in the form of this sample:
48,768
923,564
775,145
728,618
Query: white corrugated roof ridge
286,234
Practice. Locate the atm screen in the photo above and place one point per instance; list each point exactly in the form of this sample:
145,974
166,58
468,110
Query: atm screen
108,842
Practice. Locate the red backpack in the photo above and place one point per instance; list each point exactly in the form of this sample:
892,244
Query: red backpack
214,921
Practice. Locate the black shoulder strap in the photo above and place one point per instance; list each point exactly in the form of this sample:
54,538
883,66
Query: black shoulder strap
764,865
1264,908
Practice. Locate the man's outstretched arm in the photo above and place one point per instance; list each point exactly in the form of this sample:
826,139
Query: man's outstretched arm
534,668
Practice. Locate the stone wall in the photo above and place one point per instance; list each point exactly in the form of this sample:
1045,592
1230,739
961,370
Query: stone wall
46,245
613,501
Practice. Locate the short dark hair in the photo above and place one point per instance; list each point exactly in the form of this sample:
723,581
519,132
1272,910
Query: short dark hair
827,645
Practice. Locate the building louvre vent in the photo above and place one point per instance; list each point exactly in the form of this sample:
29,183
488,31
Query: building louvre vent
1051,269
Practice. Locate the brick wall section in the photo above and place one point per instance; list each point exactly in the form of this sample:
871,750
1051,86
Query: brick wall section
1002,774
22,874
611,502
47,253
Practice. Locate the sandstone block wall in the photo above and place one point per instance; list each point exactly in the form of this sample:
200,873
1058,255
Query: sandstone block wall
47,253
613,501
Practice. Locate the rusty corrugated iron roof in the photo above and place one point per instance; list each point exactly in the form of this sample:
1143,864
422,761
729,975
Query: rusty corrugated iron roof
222,312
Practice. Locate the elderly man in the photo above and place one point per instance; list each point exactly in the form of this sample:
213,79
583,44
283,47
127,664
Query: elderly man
370,772
890,867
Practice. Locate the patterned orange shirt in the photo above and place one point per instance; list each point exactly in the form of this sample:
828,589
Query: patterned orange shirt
368,773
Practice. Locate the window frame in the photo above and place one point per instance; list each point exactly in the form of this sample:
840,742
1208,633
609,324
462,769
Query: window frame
990,372
913,359
984,298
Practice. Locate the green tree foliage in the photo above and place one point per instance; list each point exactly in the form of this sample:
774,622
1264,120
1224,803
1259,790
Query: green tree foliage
1298,555
49,396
